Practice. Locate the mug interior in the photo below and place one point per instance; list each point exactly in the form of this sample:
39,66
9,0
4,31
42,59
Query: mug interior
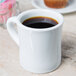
41,12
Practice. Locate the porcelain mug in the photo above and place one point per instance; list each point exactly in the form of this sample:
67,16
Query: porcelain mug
40,49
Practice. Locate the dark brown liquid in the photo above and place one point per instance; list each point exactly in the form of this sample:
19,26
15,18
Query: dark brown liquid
40,22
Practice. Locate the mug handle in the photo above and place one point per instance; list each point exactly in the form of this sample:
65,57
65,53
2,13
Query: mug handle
11,29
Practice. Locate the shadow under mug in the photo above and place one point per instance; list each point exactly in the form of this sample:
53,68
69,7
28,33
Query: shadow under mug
40,49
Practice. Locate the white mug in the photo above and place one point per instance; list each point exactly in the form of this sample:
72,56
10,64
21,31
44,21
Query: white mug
40,49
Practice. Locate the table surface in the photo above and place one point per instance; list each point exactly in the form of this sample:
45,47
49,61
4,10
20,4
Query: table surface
9,51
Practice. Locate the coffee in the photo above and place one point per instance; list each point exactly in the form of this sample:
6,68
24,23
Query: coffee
40,22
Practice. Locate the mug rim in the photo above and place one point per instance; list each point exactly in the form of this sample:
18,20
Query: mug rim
41,29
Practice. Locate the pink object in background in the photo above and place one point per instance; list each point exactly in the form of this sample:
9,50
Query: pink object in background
7,9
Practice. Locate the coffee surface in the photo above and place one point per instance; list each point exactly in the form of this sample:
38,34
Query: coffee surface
40,22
